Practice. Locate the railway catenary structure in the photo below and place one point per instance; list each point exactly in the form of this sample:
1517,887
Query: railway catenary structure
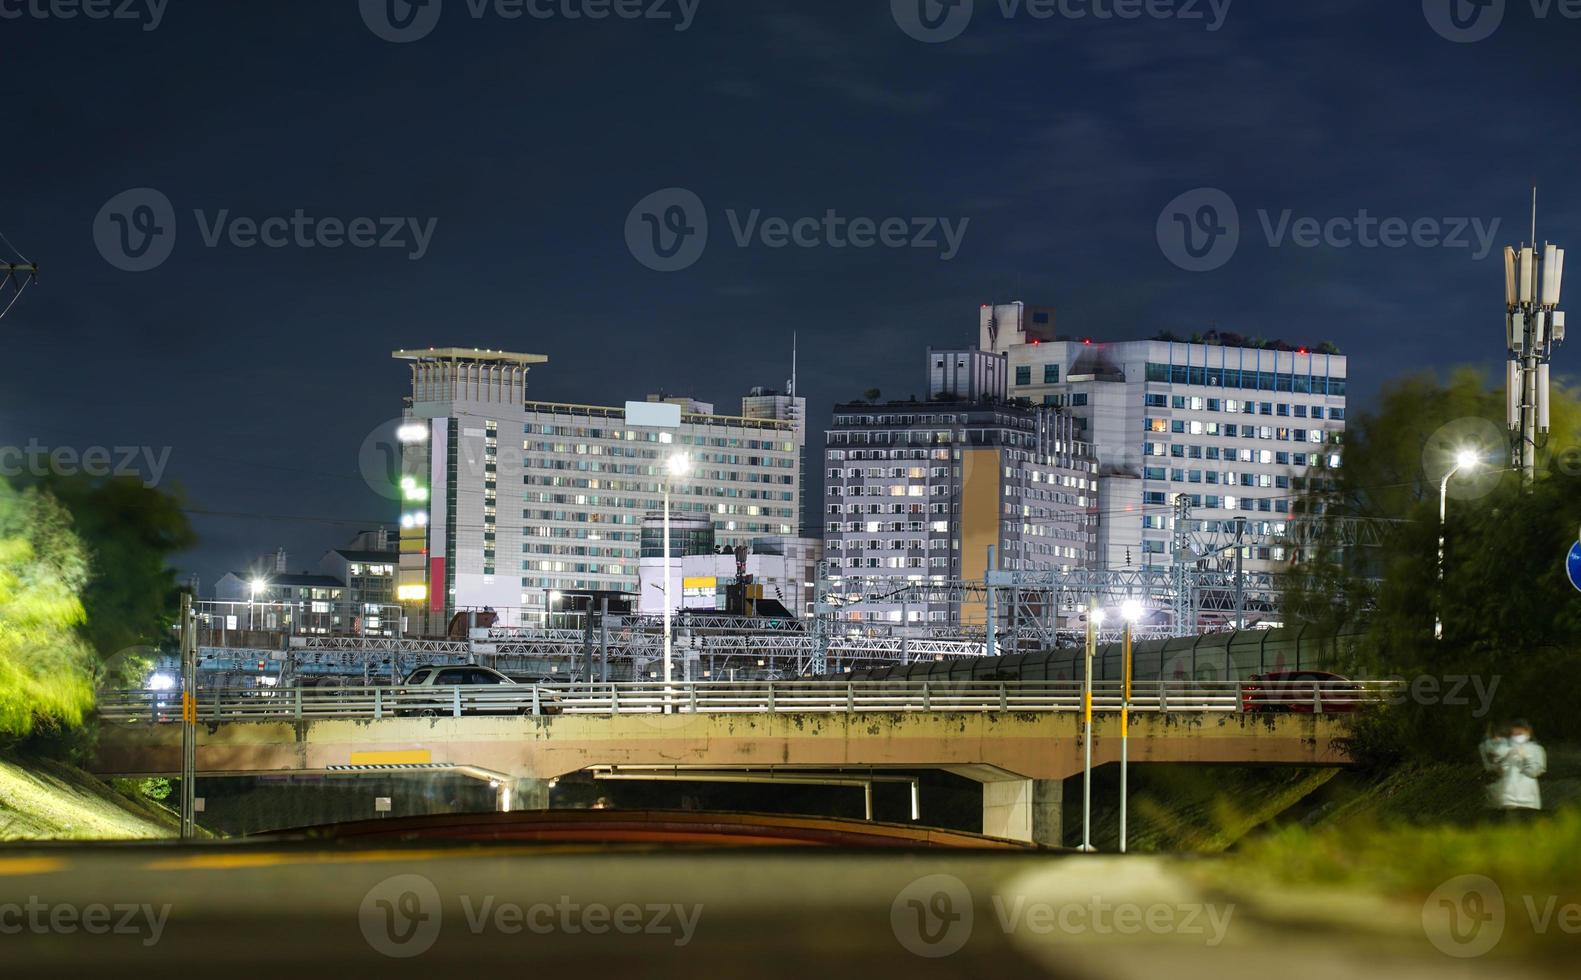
1231,656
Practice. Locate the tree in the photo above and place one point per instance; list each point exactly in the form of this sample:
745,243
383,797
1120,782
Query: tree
46,667
1512,621
130,532
872,394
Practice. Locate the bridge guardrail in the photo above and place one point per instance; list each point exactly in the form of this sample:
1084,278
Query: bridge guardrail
720,697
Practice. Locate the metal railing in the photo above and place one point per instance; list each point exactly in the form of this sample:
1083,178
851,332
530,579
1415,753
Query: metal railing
720,697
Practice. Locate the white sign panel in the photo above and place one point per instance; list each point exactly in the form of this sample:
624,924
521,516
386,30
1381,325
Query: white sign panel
658,415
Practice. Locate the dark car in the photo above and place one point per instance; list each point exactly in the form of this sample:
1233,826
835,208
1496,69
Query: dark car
1300,691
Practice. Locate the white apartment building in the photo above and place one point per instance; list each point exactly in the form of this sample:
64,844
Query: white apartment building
509,500
1232,426
917,492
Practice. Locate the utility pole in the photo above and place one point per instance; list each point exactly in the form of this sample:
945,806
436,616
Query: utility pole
189,718
1533,323
1240,573
1185,623
991,641
822,621
1094,618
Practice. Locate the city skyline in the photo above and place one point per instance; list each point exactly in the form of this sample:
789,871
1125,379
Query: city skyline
1041,156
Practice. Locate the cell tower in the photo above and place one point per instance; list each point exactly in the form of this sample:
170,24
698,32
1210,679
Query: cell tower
1533,324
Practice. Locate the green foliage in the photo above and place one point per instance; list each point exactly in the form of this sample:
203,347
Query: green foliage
130,531
1510,616
1535,858
45,666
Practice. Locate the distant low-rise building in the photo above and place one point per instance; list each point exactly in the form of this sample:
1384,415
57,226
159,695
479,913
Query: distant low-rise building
780,570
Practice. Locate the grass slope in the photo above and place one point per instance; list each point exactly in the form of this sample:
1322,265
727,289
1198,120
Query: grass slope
41,799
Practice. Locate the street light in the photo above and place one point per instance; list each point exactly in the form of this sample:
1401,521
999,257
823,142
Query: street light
550,598
1131,613
1465,459
1094,620
679,464
254,587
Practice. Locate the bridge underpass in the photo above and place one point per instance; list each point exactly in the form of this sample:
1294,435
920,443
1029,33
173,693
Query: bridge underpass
1021,758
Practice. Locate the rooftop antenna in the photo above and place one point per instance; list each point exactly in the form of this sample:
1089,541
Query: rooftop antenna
1533,324
792,391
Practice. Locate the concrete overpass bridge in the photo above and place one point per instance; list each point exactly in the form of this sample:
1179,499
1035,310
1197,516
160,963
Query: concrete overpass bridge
1019,741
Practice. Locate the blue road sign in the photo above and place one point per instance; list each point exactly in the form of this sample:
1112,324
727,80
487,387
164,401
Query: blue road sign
1573,565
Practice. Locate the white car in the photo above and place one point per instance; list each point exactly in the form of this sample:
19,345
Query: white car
427,679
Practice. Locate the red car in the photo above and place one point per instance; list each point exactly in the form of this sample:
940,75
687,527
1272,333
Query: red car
1300,691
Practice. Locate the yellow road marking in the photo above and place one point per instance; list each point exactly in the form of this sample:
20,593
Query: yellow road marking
275,859
13,867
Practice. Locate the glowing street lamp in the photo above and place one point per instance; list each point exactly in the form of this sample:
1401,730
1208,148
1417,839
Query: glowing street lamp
1468,460
1131,613
1095,619
254,588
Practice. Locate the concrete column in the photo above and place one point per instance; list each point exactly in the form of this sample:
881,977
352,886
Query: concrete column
522,794
1025,809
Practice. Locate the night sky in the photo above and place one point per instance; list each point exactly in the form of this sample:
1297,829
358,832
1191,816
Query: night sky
528,142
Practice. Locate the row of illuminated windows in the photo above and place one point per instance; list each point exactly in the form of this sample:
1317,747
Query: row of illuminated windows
1231,478
1236,407
1267,505
1230,430
1305,384
663,438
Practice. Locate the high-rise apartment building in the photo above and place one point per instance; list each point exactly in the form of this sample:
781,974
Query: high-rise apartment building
918,491
1232,424
511,500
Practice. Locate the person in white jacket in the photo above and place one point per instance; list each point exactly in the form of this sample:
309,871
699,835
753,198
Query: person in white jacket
1518,761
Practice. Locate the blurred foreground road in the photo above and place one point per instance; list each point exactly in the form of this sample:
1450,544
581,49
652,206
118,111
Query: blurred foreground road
289,911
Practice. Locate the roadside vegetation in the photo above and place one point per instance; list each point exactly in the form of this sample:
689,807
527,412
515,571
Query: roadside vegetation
85,593
44,799
1510,616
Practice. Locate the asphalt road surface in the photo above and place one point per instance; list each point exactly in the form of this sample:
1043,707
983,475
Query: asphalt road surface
300,911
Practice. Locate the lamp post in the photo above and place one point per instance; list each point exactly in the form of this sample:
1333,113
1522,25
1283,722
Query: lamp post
1094,620
678,465
1130,612
1468,460
550,598
256,586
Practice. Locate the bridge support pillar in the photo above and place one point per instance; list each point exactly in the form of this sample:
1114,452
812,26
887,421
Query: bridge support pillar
1025,809
522,794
